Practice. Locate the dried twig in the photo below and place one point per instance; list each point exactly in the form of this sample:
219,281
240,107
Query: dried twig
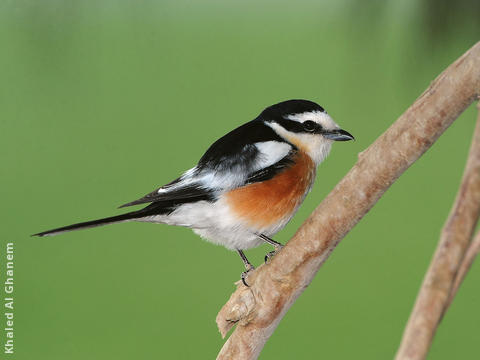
454,240
275,287
470,254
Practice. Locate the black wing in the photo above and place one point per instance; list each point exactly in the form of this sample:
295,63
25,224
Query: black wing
272,170
234,151
181,195
237,147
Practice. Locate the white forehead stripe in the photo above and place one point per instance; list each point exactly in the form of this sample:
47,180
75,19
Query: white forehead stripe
319,117
308,115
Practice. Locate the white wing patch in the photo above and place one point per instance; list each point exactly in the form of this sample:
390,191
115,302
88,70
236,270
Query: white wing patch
270,152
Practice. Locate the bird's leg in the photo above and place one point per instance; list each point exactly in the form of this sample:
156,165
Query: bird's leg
248,266
276,244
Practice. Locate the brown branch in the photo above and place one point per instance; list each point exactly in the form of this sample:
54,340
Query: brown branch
437,285
470,254
275,287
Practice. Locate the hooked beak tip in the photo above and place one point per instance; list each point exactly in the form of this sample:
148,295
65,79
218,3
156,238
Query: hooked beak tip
339,135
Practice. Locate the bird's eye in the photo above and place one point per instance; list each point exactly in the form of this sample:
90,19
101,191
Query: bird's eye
309,125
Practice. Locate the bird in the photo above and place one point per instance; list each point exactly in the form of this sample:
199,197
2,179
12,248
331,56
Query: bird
248,184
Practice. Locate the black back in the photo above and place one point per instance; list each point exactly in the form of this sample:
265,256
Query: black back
237,146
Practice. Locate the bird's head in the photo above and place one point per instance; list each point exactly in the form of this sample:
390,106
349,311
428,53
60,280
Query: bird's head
306,125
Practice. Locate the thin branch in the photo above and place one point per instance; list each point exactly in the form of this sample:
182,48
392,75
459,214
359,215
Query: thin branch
257,310
454,240
470,255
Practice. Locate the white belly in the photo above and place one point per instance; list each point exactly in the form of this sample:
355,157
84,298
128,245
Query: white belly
215,223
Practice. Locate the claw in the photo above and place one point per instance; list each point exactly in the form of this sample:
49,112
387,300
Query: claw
271,254
245,274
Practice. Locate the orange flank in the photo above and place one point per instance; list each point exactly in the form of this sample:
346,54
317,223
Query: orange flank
265,203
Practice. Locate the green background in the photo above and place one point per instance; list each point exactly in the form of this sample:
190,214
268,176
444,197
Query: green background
102,101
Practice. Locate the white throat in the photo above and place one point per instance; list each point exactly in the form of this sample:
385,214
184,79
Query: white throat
316,146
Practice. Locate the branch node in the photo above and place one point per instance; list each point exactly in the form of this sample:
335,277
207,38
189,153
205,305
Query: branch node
237,309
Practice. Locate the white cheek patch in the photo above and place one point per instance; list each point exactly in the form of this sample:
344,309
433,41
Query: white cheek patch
315,145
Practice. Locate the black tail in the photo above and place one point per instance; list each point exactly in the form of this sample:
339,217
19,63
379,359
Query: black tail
88,224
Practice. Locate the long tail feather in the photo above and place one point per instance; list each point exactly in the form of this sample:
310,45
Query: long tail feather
99,222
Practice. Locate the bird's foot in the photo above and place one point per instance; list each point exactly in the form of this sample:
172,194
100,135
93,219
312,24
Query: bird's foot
245,275
271,254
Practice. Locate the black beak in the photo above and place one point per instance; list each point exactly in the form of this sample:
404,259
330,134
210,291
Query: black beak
338,135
